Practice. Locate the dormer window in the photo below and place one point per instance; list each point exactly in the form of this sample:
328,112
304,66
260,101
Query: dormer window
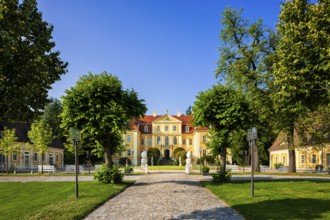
146,128
187,129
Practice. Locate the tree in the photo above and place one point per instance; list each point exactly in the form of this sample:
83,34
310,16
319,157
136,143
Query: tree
314,128
246,57
8,144
52,116
41,135
28,63
101,109
189,110
225,110
302,69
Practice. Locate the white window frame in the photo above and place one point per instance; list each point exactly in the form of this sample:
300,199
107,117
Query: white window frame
146,128
187,128
129,138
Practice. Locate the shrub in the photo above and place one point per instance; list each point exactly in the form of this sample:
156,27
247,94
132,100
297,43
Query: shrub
221,177
183,156
205,168
278,165
208,159
108,175
128,170
155,153
122,161
177,150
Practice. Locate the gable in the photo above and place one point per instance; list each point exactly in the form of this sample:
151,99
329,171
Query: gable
166,119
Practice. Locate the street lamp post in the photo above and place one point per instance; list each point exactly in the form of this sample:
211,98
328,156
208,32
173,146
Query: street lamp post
75,136
252,137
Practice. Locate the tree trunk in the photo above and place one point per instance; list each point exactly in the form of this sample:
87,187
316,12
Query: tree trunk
7,164
108,152
256,165
223,154
292,153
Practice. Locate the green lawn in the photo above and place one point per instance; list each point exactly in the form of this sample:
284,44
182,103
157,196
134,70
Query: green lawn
289,199
53,200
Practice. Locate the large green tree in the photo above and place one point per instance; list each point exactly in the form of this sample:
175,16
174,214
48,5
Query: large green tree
41,135
302,69
101,109
225,111
246,57
8,144
29,65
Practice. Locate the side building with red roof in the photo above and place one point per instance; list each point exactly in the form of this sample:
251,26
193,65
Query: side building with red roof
165,133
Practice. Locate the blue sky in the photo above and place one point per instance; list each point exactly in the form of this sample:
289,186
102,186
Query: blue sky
166,50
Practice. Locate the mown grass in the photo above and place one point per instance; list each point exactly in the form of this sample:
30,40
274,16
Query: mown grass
282,199
54,200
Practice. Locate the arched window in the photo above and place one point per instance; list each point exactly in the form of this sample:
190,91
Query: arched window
158,140
175,141
166,141
187,129
146,128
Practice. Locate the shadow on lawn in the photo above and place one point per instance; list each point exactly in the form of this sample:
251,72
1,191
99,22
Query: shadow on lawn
302,208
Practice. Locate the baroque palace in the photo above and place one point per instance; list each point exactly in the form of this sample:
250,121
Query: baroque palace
166,133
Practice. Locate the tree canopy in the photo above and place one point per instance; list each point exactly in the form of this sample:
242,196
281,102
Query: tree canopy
41,135
225,110
301,70
101,109
8,143
28,63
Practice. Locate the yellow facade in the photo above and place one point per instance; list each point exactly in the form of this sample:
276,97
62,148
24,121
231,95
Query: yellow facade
166,133
307,158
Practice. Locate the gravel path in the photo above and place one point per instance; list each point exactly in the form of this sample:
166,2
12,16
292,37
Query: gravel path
165,196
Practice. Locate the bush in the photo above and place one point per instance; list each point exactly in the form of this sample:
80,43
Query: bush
122,161
183,156
221,177
155,153
208,159
278,165
128,170
107,175
177,150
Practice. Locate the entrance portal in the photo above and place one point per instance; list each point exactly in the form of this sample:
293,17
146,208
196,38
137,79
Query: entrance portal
166,154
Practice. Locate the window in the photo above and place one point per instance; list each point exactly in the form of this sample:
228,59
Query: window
56,157
158,128
204,138
204,153
36,157
183,141
149,142
314,158
128,138
15,155
283,160
302,158
175,140
146,128
276,159
129,152
166,141
190,141
43,157
166,128
51,159
187,128
158,140
174,128
142,141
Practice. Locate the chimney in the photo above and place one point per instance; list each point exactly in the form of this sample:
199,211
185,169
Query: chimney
154,114
178,114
